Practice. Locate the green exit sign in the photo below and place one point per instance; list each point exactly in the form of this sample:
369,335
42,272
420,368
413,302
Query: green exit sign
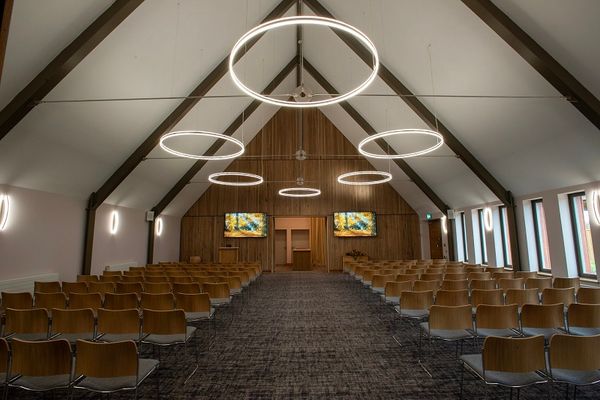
428,216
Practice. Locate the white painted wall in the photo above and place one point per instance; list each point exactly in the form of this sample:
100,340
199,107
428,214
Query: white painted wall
166,246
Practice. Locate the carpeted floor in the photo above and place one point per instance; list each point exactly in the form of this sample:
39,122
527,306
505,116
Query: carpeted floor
310,335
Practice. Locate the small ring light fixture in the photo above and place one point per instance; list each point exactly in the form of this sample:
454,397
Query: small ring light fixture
299,192
205,134
4,211
214,178
444,224
596,205
114,222
298,21
398,132
344,181
488,219
158,229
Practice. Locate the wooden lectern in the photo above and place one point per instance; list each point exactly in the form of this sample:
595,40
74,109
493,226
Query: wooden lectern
302,261
228,255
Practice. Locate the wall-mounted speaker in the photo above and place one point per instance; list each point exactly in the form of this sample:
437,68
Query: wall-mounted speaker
149,216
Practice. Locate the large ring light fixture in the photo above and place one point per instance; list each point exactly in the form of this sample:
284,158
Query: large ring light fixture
596,205
488,219
4,210
303,192
303,20
207,134
344,181
399,132
214,178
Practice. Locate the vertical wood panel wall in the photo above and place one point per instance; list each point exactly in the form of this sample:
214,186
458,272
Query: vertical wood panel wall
397,223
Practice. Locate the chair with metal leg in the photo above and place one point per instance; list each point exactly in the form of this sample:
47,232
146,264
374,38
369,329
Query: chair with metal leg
32,324
119,325
583,319
588,295
73,325
542,319
497,320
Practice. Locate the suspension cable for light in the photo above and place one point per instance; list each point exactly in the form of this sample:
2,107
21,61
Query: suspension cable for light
303,20
214,178
344,181
207,134
299,192
399,132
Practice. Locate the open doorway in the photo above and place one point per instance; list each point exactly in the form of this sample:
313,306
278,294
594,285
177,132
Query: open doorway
300,244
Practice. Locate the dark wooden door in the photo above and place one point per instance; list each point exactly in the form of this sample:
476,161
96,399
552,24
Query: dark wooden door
435,239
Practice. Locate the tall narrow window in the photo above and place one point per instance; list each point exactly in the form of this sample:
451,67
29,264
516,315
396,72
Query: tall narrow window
541,236
482,242
584,249
505,237
464,235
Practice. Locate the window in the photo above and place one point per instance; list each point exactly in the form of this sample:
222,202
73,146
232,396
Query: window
505,237
541,236
461,236
482,236
580,221
464,236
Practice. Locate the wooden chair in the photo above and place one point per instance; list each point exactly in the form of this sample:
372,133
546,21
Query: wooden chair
565,296
542,319
119,325
188,288
454,284
4,364
406,277
585,295
516,283
156,279
521,297
139,278
41,366
562,283
415,304
422,286
195,305
393,291
31,324
110,278
50,301
574,360
101,287
583,319
180,279
129,287
490,297
155,288
92,301
111,367
503,275
432,277
526,274
120,301
497,320
112,273
509,362
46,287
74,287
235,285
482,284
455,276
479,275
538,283
17,301
158,301
73,324
452,297
87,278
379,281
137,270
218,293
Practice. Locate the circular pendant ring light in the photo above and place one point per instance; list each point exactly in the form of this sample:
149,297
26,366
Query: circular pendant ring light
399,132
303,20
299,192
214,178
206,134
344,181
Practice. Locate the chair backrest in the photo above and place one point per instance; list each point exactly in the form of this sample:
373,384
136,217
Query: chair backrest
73,321
490,316
132,278
452,297
101,287
558,295
421,286
479,275
454,284
156,278
437,276
106,360
567,283
85,300
584,315
17,301
379,280
120,301
164,322
586,295
514,354
46,287
416,300
516,283
542,316
235,283
157,301
522,296
525,274
395,289
129,287
180,279
189,288
455,276
34,320
193,302
74,287
4,356
217,290
489,296
538,283
112,273
578,353
503,275
50,300
44,358
87,278
110,278
450,317
119,321
157,287
483,284
406,277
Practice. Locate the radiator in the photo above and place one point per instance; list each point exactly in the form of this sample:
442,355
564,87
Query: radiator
121,266
26,284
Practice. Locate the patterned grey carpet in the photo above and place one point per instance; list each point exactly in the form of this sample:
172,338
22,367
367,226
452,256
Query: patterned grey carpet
309,335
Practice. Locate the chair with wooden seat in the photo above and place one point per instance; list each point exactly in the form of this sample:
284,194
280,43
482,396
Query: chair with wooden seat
17,301
119,325
521,297
46,287
40,366
497,320
132,278
159,287
157,301
482,284
87,278
526,274
379,281
189,288
73,324
235,285
566,296
542,319
414,305
101,287
50,301
74,287
479,275
574,360
422,286
583,319
129,287
462,284
516,283
437,276
180,279
156,279
110,278
393,291
120,301
562,283
218,293
452,297
406,277
26,324
489,296
92,301
112,273
588,295
196,306
455,276
538,283
503,275
508,362
111,367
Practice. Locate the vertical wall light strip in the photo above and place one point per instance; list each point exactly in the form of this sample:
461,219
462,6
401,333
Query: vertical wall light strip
4,211
596,205
114,222
488,219
159,226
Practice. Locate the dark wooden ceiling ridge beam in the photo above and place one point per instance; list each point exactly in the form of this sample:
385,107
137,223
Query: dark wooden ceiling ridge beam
546,65
178,114
370,130
421,110
64,63
5,17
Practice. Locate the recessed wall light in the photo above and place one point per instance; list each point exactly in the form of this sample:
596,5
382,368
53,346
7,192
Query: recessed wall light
488,219
4,211
159,226
596,205
114,222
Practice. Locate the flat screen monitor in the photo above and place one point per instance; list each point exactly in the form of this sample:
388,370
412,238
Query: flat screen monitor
245,225
354,224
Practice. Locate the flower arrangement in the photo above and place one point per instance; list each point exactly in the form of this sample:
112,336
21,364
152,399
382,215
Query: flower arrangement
355,254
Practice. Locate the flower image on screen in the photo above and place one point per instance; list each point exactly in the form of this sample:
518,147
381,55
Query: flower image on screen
353,223
242,225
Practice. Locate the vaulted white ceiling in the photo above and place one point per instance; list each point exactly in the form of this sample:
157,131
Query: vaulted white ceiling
167,47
